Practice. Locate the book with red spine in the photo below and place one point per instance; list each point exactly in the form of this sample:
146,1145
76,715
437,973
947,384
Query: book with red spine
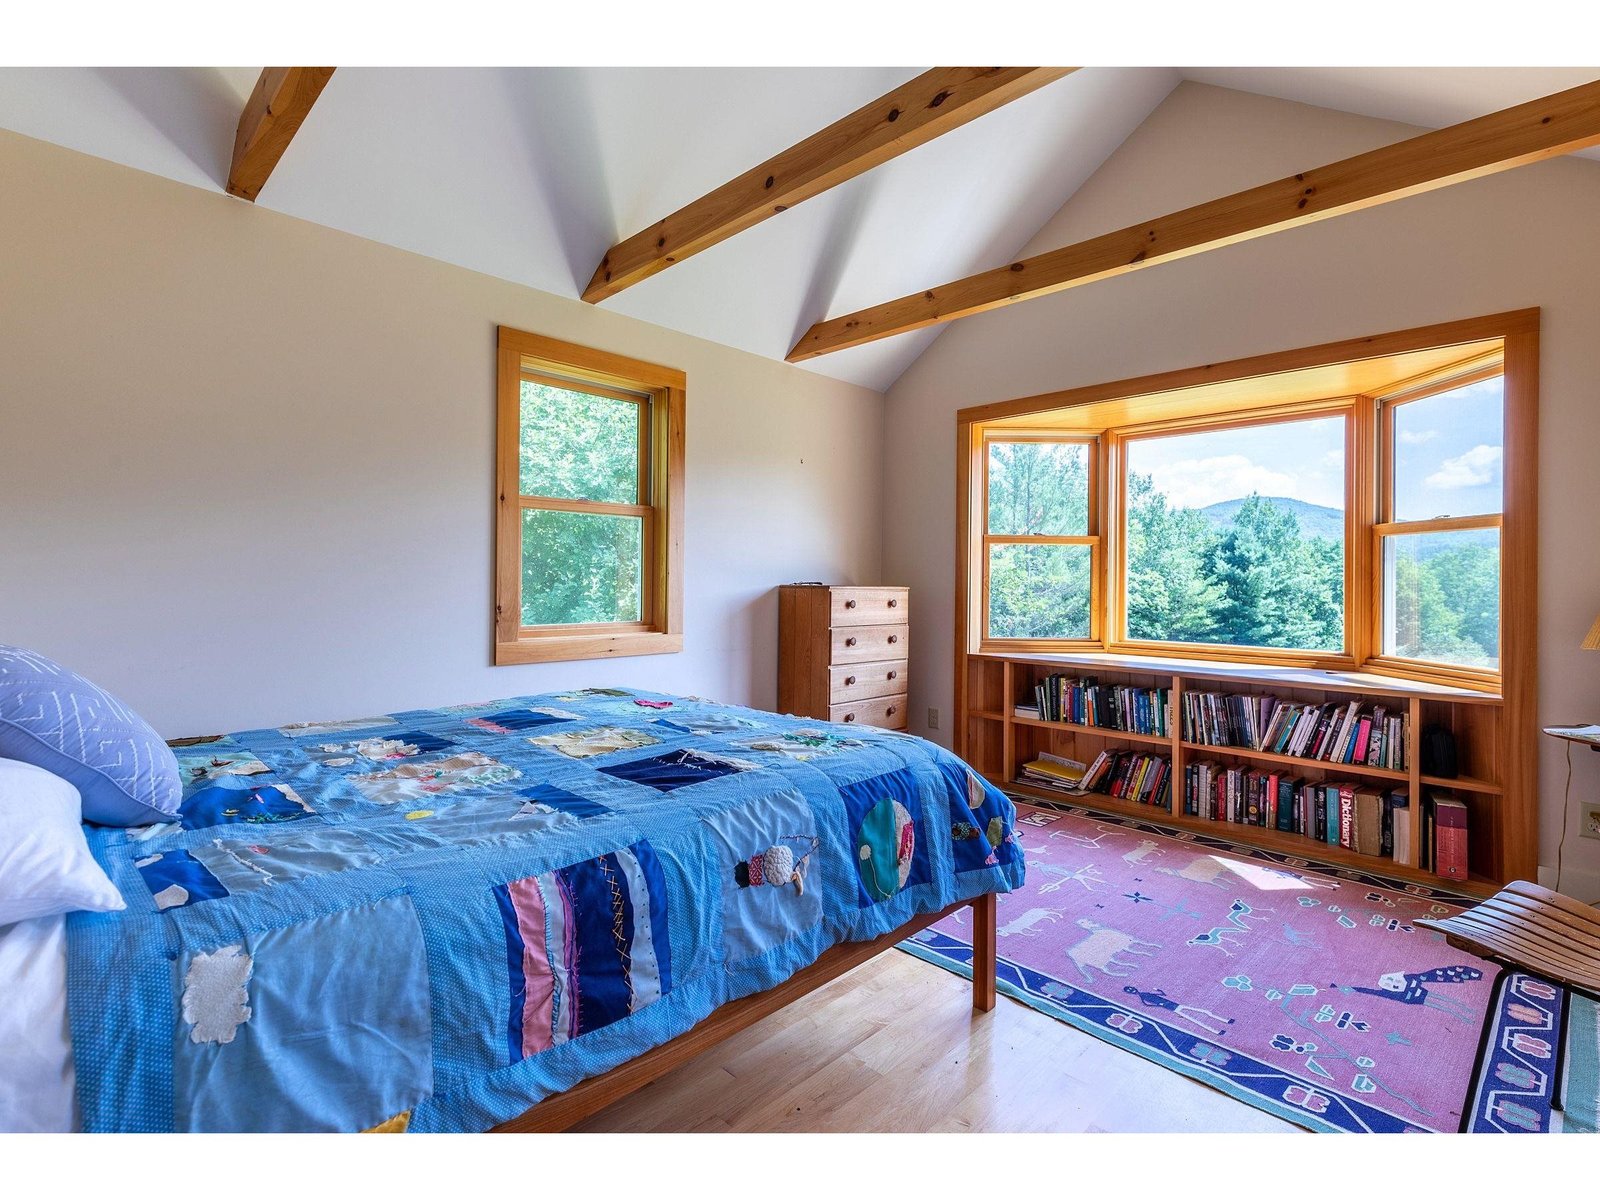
1450,837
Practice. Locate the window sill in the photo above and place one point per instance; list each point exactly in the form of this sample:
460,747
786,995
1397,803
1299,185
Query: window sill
565,648
1366,680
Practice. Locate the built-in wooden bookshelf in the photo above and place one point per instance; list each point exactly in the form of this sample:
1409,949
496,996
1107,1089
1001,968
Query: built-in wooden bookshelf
1502,815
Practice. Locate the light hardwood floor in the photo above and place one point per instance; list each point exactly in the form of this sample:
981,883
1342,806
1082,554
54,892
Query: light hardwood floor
894,1046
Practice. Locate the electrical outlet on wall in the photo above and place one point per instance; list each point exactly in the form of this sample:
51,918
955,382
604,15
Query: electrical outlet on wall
1589,819
933,718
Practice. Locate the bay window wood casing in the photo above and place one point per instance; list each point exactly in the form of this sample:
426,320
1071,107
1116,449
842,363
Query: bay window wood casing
1109,420
653,501
1488,701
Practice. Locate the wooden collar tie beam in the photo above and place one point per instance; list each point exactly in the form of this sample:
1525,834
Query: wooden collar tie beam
1540,129
933,103
272,116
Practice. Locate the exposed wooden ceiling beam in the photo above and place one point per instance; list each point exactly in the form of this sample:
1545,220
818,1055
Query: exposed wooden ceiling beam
1540,129
933,103
272,116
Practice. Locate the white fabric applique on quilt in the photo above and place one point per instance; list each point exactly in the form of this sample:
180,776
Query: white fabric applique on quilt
215,1002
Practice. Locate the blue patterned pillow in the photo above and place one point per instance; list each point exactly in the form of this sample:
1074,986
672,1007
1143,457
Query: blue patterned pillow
56,719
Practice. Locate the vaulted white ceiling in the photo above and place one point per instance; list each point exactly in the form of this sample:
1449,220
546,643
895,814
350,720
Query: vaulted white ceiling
530,174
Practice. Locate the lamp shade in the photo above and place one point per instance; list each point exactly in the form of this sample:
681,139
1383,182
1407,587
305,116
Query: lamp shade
1592,642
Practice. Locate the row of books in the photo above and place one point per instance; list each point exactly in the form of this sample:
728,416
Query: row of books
1341,813
1084,700
1355,816
1340,732
1123,774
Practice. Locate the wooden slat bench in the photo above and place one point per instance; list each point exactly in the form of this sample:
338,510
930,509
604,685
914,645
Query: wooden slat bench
1535,929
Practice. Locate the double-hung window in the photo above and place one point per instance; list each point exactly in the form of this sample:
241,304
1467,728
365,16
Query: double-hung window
1041,539
589,500
1439,527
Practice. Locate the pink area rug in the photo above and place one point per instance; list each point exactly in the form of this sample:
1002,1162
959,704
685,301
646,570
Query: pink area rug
1303,990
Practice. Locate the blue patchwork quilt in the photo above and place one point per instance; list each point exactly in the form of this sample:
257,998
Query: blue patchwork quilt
434,919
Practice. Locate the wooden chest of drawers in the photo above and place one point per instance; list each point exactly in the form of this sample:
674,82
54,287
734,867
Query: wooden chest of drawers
842,653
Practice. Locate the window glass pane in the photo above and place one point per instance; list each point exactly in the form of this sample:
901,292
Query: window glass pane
1441,597
581,567
1039,487
576,446
1039,591
1236,536
1447,453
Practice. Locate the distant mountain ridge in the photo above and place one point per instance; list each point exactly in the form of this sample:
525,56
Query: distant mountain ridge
1316,520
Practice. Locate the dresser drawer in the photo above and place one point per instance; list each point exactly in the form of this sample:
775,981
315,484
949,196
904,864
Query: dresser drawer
868,643
886,712
864,681
868,606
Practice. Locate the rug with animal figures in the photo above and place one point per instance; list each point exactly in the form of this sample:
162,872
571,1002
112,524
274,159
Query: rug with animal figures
1304,990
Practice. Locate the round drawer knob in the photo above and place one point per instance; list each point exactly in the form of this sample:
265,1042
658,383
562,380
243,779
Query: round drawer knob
893,675
849,641
894,604
849,717
849,679
849,603
893,638
890,710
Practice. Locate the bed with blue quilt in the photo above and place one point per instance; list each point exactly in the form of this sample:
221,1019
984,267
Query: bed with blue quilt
433,920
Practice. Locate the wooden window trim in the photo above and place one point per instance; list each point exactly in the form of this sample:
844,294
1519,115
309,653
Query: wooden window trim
1344,407
1092,539
1386,526
1368,478
660,392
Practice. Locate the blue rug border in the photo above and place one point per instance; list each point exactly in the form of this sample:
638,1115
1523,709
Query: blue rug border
1014,981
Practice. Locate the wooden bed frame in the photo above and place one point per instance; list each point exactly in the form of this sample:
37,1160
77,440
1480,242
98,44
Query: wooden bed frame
568,1108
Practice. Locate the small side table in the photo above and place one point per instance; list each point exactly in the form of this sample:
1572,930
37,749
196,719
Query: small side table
1581,735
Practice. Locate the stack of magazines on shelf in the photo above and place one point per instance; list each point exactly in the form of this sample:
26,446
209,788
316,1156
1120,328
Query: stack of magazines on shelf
1056,773
1357,816
1084,700
1340,732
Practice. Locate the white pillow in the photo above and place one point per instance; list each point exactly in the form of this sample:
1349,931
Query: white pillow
45,864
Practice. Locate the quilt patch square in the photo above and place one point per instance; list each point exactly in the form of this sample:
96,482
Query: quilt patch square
678,768
980,831
277,1034
232,799
416,780
890,835
545,800
247,866
801,745
305,729
516,720
586,946
176,878
592,743
766,849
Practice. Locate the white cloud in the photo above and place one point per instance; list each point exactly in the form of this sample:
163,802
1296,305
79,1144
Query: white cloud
1197,482
1415,437
1478,466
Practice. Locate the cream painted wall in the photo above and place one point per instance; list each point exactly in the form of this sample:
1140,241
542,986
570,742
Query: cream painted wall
1530,237
246,462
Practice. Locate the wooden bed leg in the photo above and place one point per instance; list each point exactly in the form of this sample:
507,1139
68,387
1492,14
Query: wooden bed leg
983,952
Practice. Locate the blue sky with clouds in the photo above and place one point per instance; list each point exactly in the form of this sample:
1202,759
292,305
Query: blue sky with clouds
1302,459
1448,451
